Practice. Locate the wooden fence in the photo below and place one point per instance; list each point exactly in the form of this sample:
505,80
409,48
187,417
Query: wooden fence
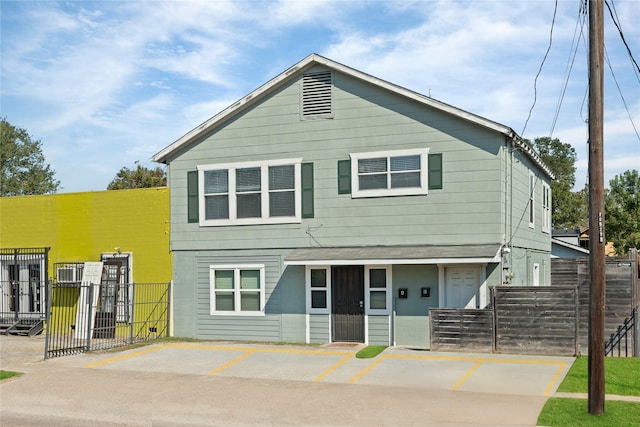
542,319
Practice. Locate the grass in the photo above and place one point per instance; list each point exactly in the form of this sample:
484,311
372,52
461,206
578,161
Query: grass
370,351
561,412
621,378
8,374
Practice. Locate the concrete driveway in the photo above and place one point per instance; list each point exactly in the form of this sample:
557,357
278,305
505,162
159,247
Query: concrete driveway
191,384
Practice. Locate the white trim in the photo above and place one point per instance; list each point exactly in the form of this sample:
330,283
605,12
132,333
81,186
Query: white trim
264,191
403,261
535,273
546,208
406,191
367,290
308,289
236,289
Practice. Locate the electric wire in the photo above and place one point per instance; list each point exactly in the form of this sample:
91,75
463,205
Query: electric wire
624,41
624,102
535,81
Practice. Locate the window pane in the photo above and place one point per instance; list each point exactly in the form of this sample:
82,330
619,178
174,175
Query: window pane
250,279
216,207
370,182
378,300
250,301
224,301
405,163
248,179
318,299
282,203
216,181
281,177
224,279
249,205
378,278
372,165
407,179
319,278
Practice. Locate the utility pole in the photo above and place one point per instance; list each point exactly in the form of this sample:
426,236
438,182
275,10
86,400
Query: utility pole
597,239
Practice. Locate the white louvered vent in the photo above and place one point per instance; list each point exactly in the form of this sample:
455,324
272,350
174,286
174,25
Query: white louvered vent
316,94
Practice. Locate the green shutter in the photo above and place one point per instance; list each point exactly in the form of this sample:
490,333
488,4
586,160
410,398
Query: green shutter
192,196
344,176
307,190
435,171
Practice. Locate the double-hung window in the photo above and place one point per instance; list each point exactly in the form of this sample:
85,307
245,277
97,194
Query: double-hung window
250,193
389,173
237,289
532,189
318,281
377,283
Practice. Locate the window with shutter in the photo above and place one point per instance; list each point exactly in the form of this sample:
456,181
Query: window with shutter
268,192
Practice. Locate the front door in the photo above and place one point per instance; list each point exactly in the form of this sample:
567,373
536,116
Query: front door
347,302
105,322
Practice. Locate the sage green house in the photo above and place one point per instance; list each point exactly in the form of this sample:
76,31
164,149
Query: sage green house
330,205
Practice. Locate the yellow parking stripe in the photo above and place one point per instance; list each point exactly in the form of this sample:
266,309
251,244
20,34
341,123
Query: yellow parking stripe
124,356
467,375
555,378
333,368
231,363
366,370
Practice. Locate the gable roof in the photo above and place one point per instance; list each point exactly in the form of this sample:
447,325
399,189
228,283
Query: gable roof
315,59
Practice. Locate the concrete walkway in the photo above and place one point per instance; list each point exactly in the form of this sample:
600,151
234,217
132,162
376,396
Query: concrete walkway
211,384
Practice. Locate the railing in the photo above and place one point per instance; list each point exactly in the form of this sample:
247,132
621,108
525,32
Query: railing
85,317
620,342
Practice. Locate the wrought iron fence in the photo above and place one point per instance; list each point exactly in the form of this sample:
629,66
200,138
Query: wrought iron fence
620,344
87,317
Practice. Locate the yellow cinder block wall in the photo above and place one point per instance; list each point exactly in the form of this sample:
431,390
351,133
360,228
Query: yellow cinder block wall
81,226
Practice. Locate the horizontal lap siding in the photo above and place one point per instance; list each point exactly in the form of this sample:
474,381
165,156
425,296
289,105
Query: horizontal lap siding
467,210
378,330
461,329
536,320
232,327
319,328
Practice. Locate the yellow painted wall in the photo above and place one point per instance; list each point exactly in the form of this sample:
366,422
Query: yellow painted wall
81,226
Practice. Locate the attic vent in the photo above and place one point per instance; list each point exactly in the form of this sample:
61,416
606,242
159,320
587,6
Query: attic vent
316,94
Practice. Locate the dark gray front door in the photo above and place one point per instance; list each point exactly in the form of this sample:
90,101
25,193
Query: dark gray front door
347,302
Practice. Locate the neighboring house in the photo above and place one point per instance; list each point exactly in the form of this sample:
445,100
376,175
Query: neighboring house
566,243
329,205
49,237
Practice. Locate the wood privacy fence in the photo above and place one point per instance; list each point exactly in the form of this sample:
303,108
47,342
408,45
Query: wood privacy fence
543,319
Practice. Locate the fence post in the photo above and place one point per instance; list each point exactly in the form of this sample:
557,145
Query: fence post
636,334
47,335
576,302
169,294
89,303
132,311
494,335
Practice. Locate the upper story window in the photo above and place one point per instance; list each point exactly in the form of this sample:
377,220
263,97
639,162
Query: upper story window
546,208
250,193
389,173
532,189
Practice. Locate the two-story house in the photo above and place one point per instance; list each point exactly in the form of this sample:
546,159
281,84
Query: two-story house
330,205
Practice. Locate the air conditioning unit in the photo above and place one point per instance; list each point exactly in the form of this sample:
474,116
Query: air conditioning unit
68,274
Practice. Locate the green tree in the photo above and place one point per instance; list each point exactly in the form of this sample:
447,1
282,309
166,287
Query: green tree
140,177
622,212
568,208
23,169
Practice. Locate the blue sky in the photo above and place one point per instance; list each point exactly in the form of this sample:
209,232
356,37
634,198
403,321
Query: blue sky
104,84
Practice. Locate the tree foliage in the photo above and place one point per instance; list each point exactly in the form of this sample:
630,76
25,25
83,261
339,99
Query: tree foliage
568,208
140,177
622,212
23,170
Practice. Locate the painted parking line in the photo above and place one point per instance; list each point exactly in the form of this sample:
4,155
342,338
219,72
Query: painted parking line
344,360
231,363
478,362
124,357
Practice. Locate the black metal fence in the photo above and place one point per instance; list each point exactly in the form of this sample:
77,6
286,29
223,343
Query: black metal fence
624,342
23,290
87,317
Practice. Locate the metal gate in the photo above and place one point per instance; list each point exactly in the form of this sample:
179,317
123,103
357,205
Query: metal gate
76,321
23,290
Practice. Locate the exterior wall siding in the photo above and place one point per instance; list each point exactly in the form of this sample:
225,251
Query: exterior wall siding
412,313
273,130
379,330
319,328
81,226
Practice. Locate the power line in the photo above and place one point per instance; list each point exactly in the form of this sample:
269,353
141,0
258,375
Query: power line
622,35
535,81
624,102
